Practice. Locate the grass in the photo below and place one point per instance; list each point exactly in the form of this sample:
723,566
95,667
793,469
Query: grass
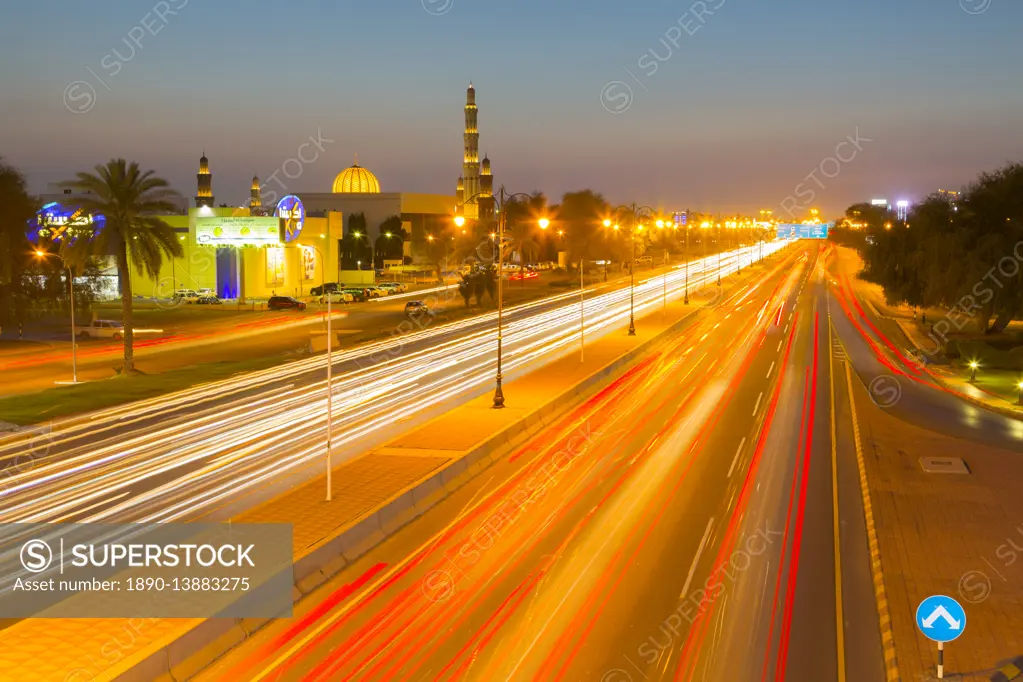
65,401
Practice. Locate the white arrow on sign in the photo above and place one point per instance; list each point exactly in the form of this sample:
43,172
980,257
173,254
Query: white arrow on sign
941,612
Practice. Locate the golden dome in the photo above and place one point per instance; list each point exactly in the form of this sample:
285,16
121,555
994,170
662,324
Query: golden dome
356,180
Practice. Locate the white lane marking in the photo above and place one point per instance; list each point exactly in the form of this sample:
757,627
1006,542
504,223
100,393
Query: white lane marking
757,406
770,370
696,559
786,329
702,338
735,459
779,346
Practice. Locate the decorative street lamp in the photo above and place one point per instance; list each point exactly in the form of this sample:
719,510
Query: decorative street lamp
637,215
973,370
500,205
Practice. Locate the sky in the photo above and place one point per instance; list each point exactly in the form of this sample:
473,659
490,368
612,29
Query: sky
713,105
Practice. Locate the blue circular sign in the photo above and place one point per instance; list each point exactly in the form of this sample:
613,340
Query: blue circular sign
940,618
290,208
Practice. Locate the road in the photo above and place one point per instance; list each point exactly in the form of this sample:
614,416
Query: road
679,525
213,450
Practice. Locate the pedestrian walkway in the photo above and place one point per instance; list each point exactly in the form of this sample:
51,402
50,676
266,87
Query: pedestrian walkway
948,534
94,650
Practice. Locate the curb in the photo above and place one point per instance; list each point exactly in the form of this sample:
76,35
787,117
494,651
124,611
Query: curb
891,663
209,639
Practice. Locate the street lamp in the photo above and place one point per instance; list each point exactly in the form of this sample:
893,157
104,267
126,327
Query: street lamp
637,215
973,373
500,205
71,289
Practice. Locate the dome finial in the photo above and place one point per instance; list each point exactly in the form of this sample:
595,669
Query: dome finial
356,159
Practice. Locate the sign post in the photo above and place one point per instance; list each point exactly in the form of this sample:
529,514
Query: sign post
941,619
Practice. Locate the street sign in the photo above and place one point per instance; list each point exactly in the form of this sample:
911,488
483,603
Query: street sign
804,231
940,618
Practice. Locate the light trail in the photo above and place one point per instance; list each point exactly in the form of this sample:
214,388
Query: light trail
180,456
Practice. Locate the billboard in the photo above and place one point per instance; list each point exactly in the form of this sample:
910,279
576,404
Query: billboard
291,210
237,231
800,231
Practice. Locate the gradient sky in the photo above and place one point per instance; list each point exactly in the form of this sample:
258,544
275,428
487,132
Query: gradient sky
734,119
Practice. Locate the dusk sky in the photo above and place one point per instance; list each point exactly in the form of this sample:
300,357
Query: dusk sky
751,101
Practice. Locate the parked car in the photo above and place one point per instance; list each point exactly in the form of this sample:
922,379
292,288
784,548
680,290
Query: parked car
357,294
528,274
415,308
206,292
208,300
397,286
186,295
337,297
284,303
376,292
329,286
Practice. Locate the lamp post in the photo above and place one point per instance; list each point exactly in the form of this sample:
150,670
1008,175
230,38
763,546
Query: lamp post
664,280
582,315
500,206
719,253
71,293
638,214
973,371
686,300
330,393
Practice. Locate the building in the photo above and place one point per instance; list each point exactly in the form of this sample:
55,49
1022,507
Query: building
475,190
304,239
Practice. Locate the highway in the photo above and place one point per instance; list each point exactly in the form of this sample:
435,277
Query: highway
679,525
209,451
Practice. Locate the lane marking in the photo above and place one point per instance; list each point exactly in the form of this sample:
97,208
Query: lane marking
696,559
839,617
883,610
769,371
778,349
757,407
735,459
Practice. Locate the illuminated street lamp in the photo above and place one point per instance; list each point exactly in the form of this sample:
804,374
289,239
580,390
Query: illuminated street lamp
71,288
502,223
1019,398
637,226
973,373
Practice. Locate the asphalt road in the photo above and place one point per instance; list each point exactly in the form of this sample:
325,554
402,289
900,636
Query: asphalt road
679,525
212,450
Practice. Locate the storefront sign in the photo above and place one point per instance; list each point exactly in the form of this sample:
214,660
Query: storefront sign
237,231
291,211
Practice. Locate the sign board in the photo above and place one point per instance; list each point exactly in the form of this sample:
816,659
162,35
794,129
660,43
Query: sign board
800,231
237,231
680,218
291,211
940,618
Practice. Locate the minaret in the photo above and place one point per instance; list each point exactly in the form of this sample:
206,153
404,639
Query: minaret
486,201
471,161
255,199
204,194
460,192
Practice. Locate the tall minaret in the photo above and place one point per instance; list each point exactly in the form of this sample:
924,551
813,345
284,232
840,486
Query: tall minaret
486,201
204,195
471,162
255,198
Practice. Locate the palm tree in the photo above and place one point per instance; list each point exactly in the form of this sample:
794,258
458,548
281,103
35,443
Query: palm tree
129,201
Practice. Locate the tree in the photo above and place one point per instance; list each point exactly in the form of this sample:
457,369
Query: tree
130,201
581,216
356,251
479,281
522,225
390,245
16,209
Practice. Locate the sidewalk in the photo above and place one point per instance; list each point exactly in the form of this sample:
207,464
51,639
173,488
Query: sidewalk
948,534
102,649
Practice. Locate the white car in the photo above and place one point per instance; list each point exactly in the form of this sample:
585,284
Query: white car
397,287
187,295
101,329
337,297
376,292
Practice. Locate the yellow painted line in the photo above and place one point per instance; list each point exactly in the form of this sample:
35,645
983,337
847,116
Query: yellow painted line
884,619
839,615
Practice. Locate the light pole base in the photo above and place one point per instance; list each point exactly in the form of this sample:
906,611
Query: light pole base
498,397
632,327
686,300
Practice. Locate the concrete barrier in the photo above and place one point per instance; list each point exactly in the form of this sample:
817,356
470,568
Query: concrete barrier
205,643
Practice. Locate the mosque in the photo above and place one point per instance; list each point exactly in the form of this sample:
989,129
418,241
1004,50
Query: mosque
289,244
